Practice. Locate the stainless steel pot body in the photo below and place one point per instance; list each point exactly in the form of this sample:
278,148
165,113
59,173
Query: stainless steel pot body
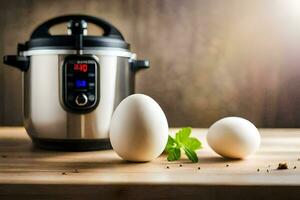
44,114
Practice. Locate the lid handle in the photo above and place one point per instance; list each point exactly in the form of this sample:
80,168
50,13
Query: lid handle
109,30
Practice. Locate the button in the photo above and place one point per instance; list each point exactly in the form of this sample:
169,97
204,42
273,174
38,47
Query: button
70,74
81,99
91,75
91,85
91,97
92,68
69,67
70,97
70,84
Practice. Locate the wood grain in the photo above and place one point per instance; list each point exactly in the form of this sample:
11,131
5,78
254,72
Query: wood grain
35,173
209,58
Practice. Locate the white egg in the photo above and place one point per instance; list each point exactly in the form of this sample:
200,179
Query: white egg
233,137
139,129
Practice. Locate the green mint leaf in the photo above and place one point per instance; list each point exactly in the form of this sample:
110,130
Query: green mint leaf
183,141
191,154
172,149
183,134
192,143
174,154
171,143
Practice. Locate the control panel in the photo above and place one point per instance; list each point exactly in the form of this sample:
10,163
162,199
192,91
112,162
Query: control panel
80,83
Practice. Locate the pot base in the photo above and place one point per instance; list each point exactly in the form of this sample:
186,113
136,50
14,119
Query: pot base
72,144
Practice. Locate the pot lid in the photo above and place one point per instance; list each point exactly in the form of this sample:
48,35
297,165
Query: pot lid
76,36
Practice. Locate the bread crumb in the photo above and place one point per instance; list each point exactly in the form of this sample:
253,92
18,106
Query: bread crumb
282,166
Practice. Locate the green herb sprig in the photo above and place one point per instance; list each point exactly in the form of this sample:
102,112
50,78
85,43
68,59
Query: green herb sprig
183,142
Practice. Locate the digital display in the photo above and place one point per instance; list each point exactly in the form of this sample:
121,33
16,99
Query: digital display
80,83
80,76
80,72
80,67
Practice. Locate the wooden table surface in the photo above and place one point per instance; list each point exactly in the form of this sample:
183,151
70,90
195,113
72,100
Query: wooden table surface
27,172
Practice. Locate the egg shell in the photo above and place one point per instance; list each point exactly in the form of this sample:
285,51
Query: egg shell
233,137
139,129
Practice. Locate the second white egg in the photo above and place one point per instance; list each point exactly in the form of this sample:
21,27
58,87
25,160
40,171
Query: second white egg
233,137
139,129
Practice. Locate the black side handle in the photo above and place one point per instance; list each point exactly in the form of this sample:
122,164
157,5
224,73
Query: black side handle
137,65
20,62
109,30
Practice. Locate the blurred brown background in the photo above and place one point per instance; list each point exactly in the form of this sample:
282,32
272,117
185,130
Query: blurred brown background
209,58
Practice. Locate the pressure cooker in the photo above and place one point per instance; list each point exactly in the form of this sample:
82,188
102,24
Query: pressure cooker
72,83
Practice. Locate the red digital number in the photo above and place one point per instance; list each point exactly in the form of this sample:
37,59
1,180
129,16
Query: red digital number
81,67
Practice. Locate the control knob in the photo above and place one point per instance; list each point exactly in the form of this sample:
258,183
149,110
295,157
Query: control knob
81,99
